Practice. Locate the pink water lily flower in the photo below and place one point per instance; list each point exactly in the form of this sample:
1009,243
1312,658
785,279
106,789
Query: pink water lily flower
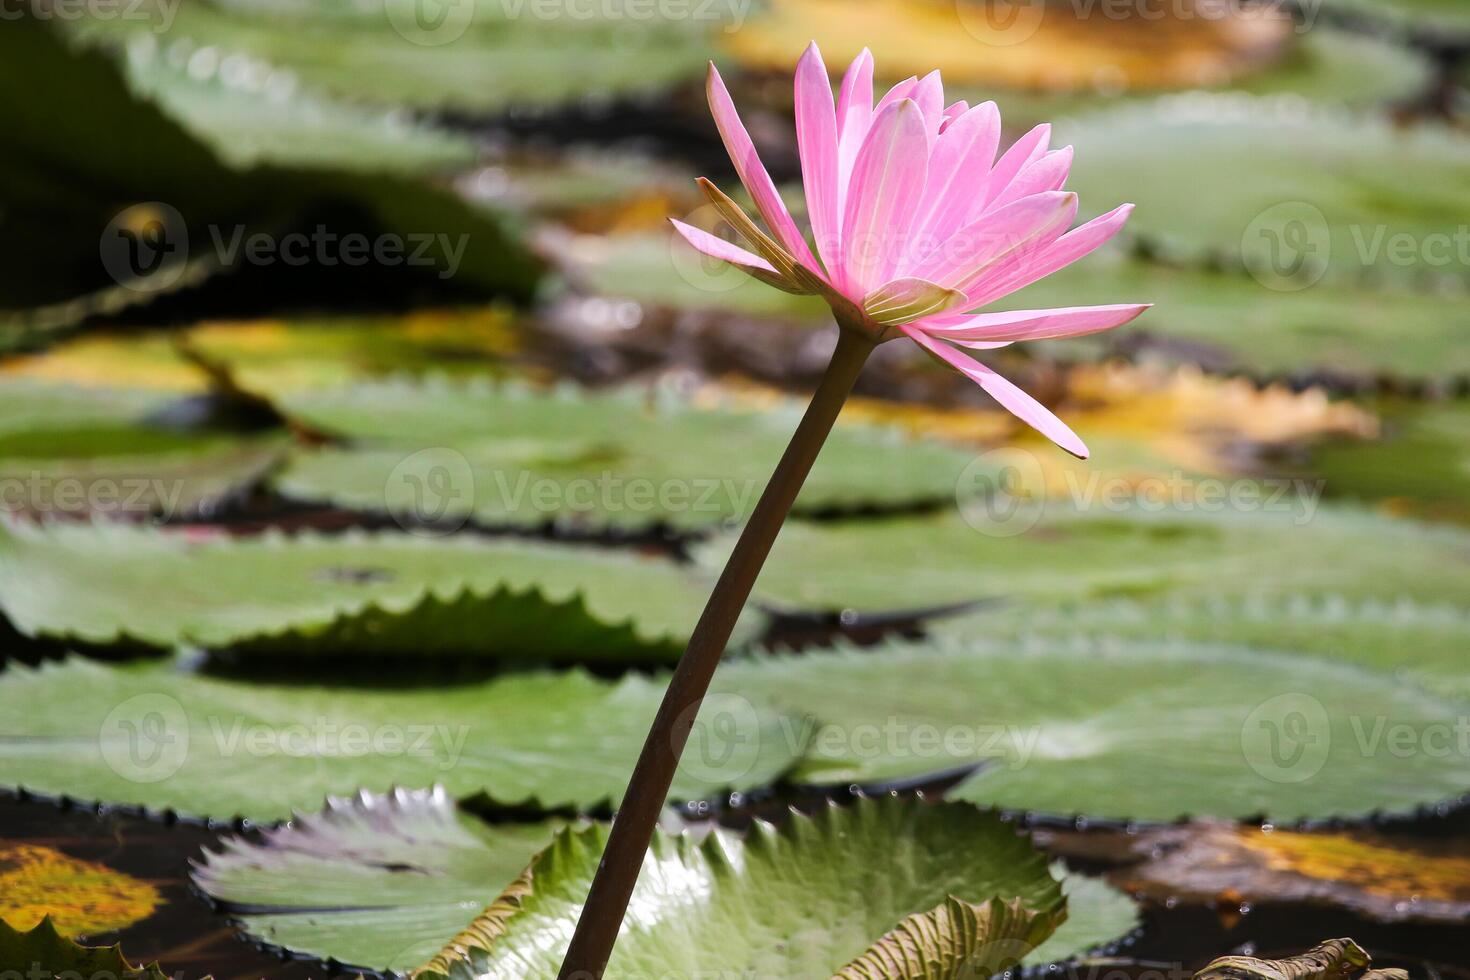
916,223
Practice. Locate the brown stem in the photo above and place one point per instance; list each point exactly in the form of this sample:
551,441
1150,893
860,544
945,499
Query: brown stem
617,873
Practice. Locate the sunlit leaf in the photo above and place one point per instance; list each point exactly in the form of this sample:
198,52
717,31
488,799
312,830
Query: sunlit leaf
354,594
152,736
1138,730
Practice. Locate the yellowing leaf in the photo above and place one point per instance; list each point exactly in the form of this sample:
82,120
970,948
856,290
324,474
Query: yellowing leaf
1033,46
82,898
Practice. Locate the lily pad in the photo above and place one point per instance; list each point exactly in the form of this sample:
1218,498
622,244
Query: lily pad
430,868
1230,321
44,952
355,594
1136,731
154,736
1421,465
804,899
1056,553
81,898
1325,201
478,57
1445,18
507,455
1420,644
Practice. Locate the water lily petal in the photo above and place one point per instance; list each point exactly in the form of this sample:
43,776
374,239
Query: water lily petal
887,184
1011,398
996,242
748,262
953,112
854,117
907,300
962,157
1017,325
1024,152
816,140
929,94
753,173
768,248
1075,244
1046,174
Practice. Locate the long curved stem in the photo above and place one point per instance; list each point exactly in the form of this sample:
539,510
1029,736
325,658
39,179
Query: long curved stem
612,887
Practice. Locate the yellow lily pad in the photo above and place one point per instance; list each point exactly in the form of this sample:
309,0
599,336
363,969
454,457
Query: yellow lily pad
81,897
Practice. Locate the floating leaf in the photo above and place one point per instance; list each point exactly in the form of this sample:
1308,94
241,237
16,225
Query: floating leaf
1229,321
444,451
1387,878
1182,548
430,868
1445,17
153,736
1336,959
79,897
1139,731
1422,644
351,594
43,952
478,57
1420,466
1325,196
800,900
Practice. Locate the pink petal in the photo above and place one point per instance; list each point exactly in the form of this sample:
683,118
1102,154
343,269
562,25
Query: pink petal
854,117
887,184
1011,398
1074,321
903,90
995,242
1025,151
962,157
816,140
717,248
753,173
954,112
929,94
1063,252
1046,174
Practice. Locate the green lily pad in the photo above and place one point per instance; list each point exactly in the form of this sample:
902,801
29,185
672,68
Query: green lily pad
353,594
804,899
1230,321
74,450
447,451
154,736
1126,731
385,882
1444,17
1326,195
1422,462
43,952
476,57
1424,645
1061,553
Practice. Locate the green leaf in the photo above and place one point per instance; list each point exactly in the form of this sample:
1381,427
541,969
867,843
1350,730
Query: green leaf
43,952
1229,321
1326,194
1422,463
505,454
353,594
384,882
1123,731
1059,553
1444,17
800,900
154,736
1422,644
953,940
481,57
